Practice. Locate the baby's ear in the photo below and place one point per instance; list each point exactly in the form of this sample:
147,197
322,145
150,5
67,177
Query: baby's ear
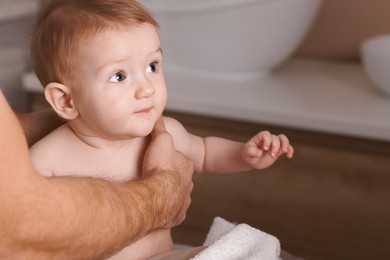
60,98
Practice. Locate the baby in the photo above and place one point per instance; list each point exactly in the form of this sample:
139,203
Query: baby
101,64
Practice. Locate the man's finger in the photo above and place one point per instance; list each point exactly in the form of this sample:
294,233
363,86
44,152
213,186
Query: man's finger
159,128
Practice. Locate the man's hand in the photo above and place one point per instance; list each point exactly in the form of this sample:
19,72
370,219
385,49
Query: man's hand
173,172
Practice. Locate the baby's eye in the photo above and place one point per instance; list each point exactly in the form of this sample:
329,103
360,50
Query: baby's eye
118,77
152,67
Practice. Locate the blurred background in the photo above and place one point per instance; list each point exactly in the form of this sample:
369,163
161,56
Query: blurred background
332,200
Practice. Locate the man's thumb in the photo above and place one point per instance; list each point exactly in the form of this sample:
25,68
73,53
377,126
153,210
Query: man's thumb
159,128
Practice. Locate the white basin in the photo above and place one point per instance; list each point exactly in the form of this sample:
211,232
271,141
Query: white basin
230,39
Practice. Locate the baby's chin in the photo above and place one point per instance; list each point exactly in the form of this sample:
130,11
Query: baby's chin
145,130
144,127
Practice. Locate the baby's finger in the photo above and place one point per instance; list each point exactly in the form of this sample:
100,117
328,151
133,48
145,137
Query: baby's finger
284,143
265,138
275,145
290,152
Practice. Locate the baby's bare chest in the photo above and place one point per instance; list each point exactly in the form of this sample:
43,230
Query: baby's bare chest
116,165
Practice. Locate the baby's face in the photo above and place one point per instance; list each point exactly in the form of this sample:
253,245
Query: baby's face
119,88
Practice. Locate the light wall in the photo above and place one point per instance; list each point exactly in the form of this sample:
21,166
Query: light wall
342,25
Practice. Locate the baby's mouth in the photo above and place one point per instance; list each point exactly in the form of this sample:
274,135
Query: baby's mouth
144,110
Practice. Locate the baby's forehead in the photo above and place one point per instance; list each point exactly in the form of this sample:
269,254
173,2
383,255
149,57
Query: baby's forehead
115,34
96,38
116,42
90,34
95,35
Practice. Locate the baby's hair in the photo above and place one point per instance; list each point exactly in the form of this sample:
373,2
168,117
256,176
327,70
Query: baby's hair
63,24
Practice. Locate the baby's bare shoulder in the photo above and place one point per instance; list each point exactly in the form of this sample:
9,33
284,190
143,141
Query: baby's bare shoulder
54,150
173,126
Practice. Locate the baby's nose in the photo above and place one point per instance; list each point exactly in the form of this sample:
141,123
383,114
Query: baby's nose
144,90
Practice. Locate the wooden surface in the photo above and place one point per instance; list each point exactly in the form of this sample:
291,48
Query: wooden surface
331,201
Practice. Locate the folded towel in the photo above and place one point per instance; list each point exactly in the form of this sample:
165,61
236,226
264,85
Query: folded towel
227,241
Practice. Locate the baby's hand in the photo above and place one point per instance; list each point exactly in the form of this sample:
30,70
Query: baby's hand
262,150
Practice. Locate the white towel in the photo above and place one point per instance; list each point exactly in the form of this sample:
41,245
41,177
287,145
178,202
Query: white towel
227,241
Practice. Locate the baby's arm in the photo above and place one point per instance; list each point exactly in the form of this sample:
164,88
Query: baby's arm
219,155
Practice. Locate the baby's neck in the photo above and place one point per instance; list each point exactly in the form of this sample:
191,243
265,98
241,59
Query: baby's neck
100,142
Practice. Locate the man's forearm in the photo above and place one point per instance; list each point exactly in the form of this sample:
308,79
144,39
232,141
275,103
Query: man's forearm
79,218
67,219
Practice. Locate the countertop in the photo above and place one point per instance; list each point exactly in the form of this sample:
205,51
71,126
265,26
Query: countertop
309,94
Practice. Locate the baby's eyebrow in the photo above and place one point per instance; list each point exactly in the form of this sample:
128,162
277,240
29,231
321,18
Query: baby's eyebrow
159,49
